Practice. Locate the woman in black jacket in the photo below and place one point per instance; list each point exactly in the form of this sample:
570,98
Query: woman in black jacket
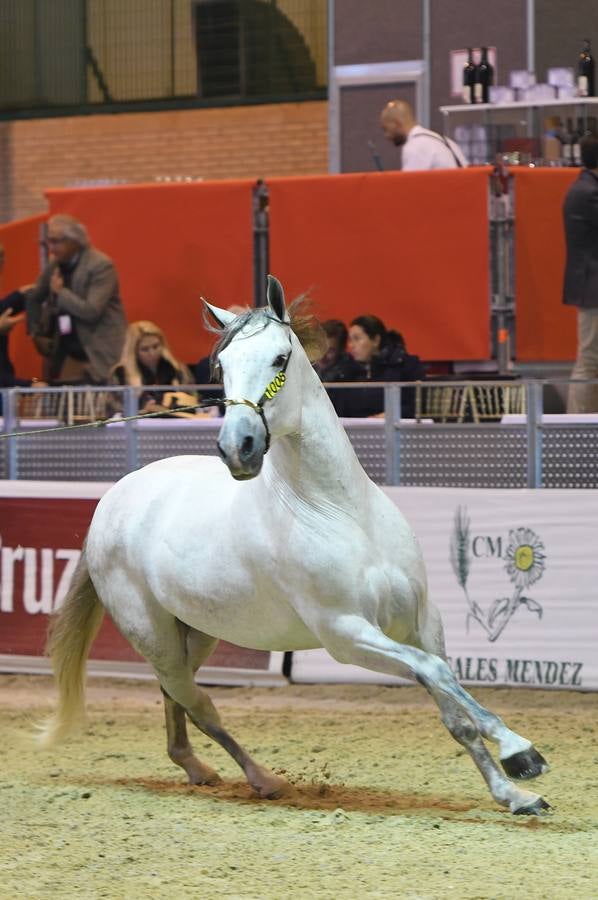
383,355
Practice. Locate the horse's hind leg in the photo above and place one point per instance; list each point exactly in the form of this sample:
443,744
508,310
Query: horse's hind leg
351,639
518,756
463,729
198,646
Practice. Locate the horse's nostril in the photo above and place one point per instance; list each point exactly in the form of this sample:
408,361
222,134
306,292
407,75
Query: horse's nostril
246,447
221,451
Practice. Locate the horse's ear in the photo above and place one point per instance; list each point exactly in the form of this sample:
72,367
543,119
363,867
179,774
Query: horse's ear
222,317
276,299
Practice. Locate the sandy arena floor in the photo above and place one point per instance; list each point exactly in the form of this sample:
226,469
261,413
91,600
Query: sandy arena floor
386,804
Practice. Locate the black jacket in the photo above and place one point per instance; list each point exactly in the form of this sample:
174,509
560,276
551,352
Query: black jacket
16,302
345,368
393,363
580,213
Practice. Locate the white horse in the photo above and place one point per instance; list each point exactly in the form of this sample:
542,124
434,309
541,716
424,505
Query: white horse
299,549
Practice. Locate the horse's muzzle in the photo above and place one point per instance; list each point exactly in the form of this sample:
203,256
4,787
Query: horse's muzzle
242,444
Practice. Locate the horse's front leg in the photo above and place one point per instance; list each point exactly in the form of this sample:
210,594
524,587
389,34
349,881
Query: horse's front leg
351,639
181,693
179,748
196,649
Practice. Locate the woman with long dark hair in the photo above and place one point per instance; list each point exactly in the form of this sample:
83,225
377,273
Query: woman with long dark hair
383,356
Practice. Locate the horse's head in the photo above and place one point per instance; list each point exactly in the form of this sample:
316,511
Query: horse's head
254,355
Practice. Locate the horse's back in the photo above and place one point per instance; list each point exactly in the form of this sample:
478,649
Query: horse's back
158,495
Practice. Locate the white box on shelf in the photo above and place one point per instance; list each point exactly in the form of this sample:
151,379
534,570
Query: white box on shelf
521,79
561,77
500,93
538,92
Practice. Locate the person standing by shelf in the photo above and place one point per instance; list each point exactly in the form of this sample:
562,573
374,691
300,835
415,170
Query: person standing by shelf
580,289
421,148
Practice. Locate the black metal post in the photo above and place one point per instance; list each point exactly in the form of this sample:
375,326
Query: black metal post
501,254
261,241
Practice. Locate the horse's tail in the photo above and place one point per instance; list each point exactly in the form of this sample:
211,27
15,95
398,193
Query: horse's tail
71,634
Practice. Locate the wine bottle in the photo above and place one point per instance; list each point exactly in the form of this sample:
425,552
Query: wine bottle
585,71
484,74
566,137
469,78
577,136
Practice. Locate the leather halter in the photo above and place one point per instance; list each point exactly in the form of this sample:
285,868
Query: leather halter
273,388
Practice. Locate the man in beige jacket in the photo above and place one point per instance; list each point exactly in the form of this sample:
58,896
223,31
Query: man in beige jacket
74,311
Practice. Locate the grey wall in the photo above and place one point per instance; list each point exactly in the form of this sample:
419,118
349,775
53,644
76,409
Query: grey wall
371,31
360,112
367,31
560,28
463,23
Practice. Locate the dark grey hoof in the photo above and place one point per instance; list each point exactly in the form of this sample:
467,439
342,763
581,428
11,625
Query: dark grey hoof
533,809
524,765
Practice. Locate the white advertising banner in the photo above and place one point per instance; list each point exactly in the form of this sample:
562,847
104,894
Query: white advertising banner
515,576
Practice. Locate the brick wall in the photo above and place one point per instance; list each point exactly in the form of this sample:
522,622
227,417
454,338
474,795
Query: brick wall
237,142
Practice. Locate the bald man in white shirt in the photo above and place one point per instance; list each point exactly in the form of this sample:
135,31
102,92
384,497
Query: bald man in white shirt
422,148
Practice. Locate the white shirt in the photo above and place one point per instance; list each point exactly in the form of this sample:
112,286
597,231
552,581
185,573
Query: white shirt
425,149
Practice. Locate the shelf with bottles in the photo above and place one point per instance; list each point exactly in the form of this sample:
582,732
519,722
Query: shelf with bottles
518,104
541,133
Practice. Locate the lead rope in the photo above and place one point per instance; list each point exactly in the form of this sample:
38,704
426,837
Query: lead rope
273,388
101,423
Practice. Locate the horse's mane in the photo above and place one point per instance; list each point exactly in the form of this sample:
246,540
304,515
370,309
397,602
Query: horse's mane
304,324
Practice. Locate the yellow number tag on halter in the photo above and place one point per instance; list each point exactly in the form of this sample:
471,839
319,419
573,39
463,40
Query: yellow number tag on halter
275,385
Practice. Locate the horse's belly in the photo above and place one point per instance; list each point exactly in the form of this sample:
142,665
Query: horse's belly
257,622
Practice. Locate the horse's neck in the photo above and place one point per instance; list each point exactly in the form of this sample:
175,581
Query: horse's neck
318,465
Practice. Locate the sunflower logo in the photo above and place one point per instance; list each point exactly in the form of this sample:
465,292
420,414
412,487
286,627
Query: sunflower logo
524,558
525,562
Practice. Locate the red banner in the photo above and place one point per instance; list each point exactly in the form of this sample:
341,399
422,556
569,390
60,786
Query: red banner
410,247
40,545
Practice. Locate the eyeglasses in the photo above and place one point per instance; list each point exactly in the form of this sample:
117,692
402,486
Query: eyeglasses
55,240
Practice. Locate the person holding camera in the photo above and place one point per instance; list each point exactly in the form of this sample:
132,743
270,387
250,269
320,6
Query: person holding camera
74,311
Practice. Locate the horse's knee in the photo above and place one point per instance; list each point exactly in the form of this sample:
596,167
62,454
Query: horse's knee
462,728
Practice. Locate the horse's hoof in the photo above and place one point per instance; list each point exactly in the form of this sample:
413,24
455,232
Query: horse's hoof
271,787
525,764
207,780
537,808
203,775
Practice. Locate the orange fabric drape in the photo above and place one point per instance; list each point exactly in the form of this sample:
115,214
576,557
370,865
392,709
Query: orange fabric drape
21,243
411,248
171,244
546,330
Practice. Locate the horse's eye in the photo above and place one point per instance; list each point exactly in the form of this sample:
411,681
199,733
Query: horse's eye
279,361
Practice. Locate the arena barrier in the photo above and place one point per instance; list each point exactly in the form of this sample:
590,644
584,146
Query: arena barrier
467,434
412,247
514,573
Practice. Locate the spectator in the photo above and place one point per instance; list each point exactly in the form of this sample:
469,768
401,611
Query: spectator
421,148
148,360
384,356
580,288
74,311
12,309
337,364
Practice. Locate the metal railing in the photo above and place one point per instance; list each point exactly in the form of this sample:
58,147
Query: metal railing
499,436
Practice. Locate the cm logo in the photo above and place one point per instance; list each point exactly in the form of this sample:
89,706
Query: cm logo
483,545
